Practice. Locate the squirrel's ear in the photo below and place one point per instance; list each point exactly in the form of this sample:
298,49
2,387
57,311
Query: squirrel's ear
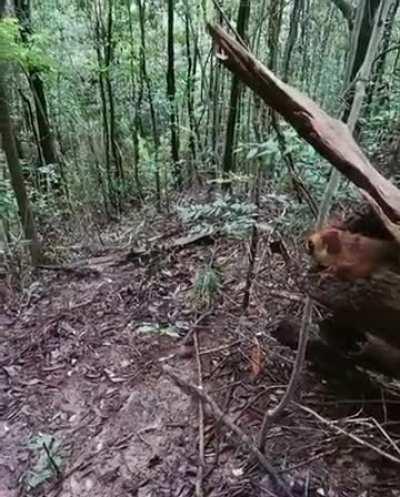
332,241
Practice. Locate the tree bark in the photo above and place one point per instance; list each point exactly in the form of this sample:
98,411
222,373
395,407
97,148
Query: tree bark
330,137
228,160
364,24
16,176
144,75
292,37
47,143
171,94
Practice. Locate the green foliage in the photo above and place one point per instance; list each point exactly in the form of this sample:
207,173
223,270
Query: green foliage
64,45
11,50
206,287
158,329
7,201
37,55
232,216
44,468
31,56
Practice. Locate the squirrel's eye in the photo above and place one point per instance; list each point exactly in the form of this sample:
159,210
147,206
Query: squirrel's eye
310,247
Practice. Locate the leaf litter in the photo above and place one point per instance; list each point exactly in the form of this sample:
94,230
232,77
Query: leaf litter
86,411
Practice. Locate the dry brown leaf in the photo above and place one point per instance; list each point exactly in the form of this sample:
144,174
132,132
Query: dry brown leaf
257,357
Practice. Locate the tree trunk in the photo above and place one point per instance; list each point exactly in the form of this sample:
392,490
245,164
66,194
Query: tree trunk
146,79
17,179
136,125
108,59
171,94
191,67
292,36
379,67
366,310
361,35
228,160
23,12
104,111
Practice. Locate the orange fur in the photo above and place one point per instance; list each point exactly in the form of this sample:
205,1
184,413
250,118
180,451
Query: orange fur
350,256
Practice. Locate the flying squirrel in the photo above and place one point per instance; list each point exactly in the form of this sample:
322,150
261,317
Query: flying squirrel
350,256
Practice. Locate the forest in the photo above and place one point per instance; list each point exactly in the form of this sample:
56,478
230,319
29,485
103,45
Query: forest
199,248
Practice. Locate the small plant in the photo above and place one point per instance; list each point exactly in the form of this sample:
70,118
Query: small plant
233,217
46,448
206,287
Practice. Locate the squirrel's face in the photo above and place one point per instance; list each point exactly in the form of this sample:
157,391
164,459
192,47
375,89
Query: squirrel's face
323,246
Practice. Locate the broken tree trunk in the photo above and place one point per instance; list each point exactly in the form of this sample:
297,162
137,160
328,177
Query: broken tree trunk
329,136
365,315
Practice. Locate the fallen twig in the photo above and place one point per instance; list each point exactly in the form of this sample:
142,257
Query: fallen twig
200,470
338,429
199,393
194,326
272,415
220,348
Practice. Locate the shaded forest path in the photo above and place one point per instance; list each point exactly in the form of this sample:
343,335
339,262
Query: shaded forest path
80,355
80,372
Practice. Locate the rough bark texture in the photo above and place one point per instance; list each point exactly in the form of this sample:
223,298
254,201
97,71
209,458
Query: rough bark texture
228,160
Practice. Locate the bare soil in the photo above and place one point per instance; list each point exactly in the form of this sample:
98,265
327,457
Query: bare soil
80,361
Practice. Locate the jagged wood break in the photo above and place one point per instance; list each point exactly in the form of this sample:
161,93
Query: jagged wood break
370,306
329,136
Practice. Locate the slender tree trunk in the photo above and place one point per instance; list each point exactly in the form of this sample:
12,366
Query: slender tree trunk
292,36
137,104
364,24
36,137
190,94
144,75
228,160
379,66
23,12
108,59
16,176
323,54
104,110
261,119
171,94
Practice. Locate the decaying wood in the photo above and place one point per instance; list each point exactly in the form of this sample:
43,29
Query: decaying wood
329,136
95,265
351,349
204,238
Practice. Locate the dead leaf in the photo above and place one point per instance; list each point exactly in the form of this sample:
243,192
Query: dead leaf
256,359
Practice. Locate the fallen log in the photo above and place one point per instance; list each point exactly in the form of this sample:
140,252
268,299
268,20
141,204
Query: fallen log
329,136
367,310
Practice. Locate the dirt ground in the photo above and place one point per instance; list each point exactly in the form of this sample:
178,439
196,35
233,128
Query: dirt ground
85,409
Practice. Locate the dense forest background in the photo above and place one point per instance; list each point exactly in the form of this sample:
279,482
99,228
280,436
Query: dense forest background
109,106
160,332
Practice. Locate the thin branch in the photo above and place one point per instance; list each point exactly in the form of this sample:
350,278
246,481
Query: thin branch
218,414
272,415
385,52
53,463
187,338
355,438
200,470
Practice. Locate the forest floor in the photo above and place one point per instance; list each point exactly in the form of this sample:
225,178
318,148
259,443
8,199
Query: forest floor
86,410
